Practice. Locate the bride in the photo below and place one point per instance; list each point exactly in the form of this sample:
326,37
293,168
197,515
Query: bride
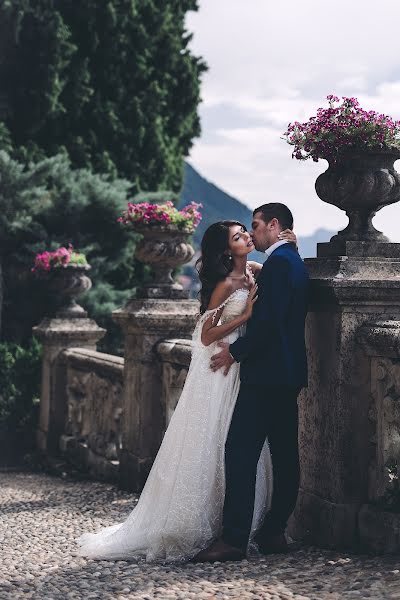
180,508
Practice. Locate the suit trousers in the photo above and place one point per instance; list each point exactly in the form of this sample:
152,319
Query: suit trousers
261,412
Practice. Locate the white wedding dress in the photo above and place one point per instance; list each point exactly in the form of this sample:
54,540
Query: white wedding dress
180,508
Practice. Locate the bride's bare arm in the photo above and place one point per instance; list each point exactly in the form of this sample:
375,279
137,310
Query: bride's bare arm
255,267
289,235
211,332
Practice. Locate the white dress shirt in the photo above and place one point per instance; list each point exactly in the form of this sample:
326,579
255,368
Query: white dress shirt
270,250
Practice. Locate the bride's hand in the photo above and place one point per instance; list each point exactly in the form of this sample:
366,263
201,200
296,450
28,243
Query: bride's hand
252,298
287,234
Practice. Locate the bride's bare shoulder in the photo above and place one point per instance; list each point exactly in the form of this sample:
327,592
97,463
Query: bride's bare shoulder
222,291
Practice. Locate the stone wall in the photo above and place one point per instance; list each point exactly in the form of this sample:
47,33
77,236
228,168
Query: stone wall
93,383
93,396
379,517
175,356
108,415
339,440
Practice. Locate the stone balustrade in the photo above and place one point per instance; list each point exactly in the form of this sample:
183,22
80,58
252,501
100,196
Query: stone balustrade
93,397
108,415
175,356
90,396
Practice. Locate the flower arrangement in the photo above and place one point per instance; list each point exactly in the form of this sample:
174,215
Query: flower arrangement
62,257
145,213
342,126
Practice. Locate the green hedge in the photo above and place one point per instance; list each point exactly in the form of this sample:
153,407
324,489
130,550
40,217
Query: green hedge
20,375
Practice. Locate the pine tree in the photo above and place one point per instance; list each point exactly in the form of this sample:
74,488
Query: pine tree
113,83
48,204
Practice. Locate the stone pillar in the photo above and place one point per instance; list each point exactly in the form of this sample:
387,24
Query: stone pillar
57,334
359,286
379,520
145,322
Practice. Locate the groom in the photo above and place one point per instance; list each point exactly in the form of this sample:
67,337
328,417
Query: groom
273,371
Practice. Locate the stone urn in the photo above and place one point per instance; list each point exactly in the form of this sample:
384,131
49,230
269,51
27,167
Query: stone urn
361,183
66,284
164,248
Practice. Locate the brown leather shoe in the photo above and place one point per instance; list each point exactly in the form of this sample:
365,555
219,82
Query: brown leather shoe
273,544
219,551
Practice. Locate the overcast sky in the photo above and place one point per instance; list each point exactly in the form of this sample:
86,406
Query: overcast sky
275,62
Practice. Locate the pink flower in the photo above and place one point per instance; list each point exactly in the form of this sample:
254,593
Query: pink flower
164,214
46,261
346,125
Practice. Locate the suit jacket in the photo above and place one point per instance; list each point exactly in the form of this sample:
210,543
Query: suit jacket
272,352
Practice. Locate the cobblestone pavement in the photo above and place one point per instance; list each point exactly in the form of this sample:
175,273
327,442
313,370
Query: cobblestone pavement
40,517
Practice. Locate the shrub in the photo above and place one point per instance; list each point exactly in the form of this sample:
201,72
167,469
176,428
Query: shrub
60,205
20,375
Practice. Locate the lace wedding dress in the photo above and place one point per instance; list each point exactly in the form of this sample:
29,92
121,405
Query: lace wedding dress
180,509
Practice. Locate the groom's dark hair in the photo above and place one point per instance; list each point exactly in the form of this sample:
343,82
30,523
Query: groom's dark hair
276,210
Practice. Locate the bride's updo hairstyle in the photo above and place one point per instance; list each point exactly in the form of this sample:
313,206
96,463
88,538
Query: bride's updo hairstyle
215,263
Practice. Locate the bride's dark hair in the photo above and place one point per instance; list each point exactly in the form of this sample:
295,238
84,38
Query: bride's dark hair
214,263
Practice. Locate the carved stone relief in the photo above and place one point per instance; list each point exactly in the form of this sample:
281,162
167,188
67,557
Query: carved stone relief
385,413
94,412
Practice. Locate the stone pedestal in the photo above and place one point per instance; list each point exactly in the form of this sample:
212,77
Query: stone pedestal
57,334
347,291
146,322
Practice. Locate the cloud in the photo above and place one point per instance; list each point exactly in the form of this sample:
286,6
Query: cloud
272,63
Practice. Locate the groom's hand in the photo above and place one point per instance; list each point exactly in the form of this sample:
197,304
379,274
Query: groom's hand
222,359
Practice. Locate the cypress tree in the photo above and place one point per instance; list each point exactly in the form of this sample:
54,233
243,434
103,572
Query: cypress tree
113,83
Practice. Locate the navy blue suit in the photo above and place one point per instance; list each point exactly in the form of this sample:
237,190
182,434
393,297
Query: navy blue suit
273,371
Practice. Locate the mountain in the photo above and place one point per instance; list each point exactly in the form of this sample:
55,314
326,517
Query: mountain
218,205
308,243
